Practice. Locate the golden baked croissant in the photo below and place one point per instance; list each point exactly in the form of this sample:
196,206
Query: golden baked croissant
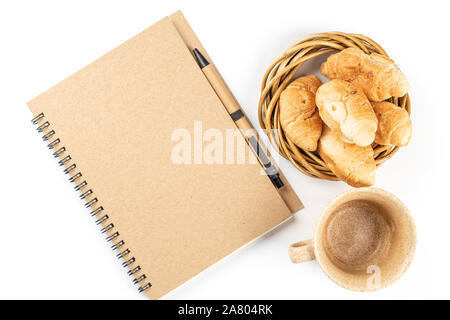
299,116
376,75
394,124
344,108
353,164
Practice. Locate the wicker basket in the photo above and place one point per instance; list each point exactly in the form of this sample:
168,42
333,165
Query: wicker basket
280,74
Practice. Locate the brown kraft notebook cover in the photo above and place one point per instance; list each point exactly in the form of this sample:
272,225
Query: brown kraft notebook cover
113,121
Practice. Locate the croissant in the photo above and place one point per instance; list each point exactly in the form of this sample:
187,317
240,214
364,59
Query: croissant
394,124
299,116
376,75
353,164
344,108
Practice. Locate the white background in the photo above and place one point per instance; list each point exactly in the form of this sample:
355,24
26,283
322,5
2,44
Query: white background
50,247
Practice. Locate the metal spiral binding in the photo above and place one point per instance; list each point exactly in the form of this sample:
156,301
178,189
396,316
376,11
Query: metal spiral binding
91,202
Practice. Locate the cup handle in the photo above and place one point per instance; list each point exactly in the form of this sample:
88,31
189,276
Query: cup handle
302,251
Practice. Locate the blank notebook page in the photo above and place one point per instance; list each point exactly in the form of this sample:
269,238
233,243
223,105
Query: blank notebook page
115,119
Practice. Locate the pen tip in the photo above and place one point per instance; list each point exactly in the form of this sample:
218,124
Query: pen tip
201,60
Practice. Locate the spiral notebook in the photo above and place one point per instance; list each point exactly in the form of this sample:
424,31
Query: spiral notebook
111,125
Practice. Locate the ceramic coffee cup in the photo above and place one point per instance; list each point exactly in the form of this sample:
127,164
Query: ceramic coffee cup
364,241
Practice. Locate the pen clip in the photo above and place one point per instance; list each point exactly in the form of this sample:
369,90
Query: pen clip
269,168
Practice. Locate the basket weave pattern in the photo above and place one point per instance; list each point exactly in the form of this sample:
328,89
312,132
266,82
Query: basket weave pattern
280,74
